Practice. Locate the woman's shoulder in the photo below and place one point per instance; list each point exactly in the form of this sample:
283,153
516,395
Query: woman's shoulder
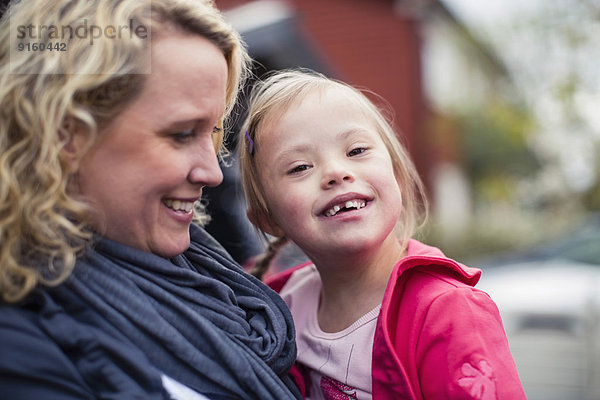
20,325
15,323
32,364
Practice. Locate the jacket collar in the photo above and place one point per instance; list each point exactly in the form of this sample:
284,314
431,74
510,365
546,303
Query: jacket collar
419,254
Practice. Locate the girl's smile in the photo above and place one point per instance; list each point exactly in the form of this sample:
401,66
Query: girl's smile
344,204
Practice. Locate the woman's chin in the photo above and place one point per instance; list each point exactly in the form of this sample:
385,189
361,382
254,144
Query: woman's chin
171,247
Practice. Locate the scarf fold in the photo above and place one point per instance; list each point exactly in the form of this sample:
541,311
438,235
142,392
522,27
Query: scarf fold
197,318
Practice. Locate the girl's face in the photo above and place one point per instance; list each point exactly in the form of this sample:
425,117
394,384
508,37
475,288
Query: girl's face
149,166
328,178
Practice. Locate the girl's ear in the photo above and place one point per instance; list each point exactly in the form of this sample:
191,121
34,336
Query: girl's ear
74,144
262,222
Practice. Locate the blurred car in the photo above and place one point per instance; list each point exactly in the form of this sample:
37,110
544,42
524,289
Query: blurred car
549,300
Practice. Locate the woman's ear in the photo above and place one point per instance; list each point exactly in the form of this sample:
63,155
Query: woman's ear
74,144
262,222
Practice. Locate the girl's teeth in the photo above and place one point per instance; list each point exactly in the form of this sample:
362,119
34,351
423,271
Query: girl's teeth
357,204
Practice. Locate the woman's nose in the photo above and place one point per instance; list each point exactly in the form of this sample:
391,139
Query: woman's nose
335,174
205,170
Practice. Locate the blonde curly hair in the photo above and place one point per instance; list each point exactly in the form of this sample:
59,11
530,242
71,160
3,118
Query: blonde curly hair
274,96
44,95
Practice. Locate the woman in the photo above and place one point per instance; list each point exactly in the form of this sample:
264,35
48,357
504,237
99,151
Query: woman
112,114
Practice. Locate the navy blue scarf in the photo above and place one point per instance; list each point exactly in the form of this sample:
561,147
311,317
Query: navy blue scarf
197,318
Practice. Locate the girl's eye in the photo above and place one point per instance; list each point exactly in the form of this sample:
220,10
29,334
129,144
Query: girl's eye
299,168
356,151
216,129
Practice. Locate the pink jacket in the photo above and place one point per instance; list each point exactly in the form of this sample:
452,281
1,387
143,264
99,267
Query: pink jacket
437,336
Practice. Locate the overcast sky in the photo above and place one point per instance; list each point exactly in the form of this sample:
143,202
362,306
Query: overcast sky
489,11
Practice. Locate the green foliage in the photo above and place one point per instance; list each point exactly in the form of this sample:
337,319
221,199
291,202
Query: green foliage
591,198
495,150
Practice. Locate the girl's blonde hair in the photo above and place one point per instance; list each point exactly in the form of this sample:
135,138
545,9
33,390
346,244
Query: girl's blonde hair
275,95
45,95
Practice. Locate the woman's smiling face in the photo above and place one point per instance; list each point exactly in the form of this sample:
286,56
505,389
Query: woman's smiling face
149,165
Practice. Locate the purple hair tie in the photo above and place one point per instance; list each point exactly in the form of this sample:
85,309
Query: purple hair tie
249,144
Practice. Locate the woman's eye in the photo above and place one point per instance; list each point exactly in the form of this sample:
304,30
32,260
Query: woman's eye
299,168
216,129
184,136
356,151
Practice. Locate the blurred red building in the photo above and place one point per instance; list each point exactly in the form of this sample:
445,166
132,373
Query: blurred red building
372,44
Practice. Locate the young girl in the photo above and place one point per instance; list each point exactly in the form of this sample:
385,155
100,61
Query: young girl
378,315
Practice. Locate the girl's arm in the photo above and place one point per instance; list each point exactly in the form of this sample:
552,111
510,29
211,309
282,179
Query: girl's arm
463,351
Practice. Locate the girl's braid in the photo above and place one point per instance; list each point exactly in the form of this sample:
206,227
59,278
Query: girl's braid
263,262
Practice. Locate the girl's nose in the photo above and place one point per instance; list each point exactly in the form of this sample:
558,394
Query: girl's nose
205,170
336,174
